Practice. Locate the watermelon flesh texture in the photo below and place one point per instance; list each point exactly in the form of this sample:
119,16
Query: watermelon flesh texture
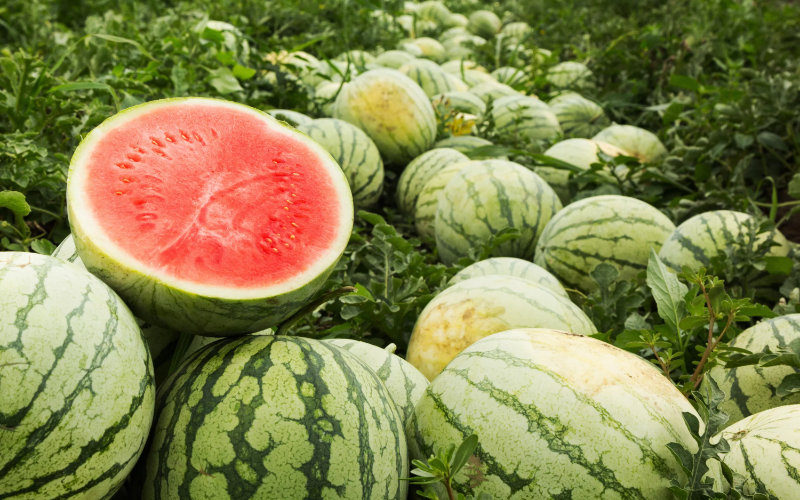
210,198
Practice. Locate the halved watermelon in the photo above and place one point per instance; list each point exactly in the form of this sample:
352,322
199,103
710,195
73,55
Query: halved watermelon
207,216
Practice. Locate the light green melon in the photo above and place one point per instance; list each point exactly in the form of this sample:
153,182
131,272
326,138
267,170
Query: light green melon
428,198
521,118
432,78
557,416
578,116
484,23
641,143
475,308
429,48
512,266
458,101
570,75
611,229
493,90
393,59
510,76
293,118
76,382
393,110
419,172
487,197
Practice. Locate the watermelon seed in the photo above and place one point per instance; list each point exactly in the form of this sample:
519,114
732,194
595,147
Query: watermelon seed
185,136
169,137
133,157
198,138
125,180
156,142
161,152
119,193
146,216
139,150
214,133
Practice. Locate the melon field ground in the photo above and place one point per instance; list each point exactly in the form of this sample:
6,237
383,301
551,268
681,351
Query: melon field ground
644,155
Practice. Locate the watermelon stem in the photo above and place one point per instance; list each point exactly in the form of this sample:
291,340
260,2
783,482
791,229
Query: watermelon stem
286,326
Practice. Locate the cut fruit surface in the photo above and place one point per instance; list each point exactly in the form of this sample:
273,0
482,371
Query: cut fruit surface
209,198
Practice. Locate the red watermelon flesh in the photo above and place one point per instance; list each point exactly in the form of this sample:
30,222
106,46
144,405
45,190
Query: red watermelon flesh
209,197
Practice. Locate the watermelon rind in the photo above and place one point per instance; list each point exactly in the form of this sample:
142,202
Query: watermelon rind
512,266
76,382
183,305
556,416
279,417
419,171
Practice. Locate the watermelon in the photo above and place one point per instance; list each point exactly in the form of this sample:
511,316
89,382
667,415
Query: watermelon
510,76
279,417
474,308
76,382
517,30
486,197
429,48
466,144
577,115
570,74
356,154
523,118
434,10
638,142
393,110
325,96
581,153
457,19
493,90
359,58
611,229
557,416
702,237
293,118
167,200
428,198
393,59
765,449
454,100
432,78
511,266
462,46
459,66
421,170
484,23
405,383
751,389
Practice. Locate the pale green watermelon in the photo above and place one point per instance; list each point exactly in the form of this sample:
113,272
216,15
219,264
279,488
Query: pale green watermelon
570,75
702,237
484,23
432,78
393,110
556,416
510,75
465,102
405,383
167,200
578,116
765,449
76,382
279,417
393,59
522,118
611,229
638,142
487,197
751,389
465,144
494,90
428,198
430,48
420,171
356,154
511,266
475,308
293,118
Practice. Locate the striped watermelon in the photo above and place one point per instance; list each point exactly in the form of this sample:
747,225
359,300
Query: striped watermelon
356,154
611,229
405,383
420,171
638,142
523,118
265,416
167,200
517,30
428,198
472,309
393,59
570,74
702,237
511,266
510,75
393,110
429,47
557,416
465,144
486,197
484,23
76,382
493,90
581,153
293,118
465,102
578,116
432,78
325,96
751,389
765,449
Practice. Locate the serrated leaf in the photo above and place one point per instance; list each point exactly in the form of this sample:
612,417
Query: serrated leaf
667,291
223,81
684,458
604,274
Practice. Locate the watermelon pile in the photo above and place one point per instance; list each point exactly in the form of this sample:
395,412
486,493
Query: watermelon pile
206,223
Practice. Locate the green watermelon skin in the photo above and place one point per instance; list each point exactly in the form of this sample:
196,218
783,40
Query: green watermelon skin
700,238
405,383
751,389
578,116
512,266
641,143
463,143
428,198
569,74
557,416
765,449
355,152
523,118
487,197
266,416
76,382
477,307
392,109
611,229
419,171
432,78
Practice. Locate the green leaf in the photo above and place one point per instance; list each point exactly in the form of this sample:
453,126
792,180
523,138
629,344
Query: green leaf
794,186
789,386
43,246
779,265
772,141
15,201
604,274
742,140
243,72
223,81
684,82
119,39
667,291
462,453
